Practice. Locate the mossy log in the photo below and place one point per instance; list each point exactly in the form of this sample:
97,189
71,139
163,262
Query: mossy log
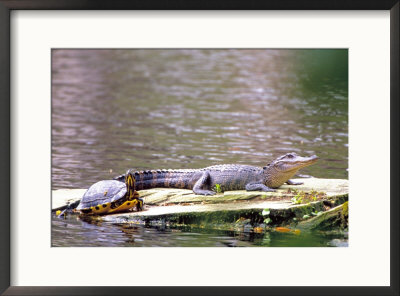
179,206
336,217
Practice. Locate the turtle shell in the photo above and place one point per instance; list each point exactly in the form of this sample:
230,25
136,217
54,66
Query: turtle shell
102,194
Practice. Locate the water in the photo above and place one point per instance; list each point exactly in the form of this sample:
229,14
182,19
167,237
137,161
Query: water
74,232
154,109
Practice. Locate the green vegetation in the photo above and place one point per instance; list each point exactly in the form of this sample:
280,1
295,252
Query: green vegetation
346,209
267,220
265,212
302,197
217,188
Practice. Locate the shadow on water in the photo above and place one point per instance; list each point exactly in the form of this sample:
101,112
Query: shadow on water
154,109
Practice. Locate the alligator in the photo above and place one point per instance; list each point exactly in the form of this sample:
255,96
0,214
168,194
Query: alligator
225,176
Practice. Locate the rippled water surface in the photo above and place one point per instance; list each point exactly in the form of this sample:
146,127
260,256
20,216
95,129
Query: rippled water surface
153,109
76,233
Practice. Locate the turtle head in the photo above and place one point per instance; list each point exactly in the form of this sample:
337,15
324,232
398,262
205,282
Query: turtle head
130,184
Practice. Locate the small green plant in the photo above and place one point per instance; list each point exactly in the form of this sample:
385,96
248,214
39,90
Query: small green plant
307,197
217,188
267,220
298,198
265,212
313,195
316,213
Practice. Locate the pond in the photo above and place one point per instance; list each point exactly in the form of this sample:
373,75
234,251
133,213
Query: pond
154,109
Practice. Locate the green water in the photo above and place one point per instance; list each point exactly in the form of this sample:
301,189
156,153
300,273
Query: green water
154,109
73,232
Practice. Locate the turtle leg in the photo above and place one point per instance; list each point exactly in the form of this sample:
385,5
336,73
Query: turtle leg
62,214
67,210
139,205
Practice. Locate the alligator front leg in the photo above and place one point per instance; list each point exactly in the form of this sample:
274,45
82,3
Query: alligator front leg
290,182
201,183
258,187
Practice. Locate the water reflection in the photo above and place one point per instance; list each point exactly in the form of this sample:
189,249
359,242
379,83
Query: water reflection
74,232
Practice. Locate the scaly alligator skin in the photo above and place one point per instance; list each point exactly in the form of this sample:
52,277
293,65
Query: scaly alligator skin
228,176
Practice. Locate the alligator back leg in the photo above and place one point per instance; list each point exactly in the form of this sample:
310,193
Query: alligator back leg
258,187
201,183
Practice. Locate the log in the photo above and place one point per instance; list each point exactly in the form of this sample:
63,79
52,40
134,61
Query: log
180,206
336,217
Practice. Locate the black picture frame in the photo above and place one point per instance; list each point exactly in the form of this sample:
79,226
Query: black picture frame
9,5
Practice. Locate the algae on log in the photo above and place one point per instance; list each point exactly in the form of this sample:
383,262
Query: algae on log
336,217
181,206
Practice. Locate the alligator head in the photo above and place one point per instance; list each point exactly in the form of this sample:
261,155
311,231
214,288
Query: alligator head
284,167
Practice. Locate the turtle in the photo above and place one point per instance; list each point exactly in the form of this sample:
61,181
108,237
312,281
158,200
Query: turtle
110,196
